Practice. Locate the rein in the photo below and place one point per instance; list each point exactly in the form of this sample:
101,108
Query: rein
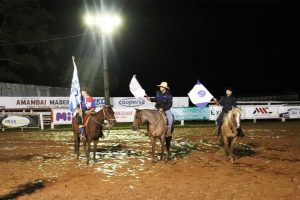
107,118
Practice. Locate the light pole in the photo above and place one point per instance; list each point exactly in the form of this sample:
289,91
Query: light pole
105,70
106,23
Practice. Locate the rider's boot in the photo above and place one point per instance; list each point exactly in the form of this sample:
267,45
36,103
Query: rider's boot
240,132
169,132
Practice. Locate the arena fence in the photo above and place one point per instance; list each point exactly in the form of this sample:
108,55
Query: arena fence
38,112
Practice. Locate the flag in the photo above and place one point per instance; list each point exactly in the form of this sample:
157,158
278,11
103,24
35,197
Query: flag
136,89
75,90
199,95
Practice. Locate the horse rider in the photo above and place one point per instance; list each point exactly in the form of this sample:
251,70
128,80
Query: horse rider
228,102
86,108
164,102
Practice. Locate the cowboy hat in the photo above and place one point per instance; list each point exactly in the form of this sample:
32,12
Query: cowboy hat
164,84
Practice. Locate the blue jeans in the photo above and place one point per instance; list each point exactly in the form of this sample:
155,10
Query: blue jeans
169,118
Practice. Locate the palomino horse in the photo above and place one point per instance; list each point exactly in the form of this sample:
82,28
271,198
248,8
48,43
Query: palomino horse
229,131
93,130
156,128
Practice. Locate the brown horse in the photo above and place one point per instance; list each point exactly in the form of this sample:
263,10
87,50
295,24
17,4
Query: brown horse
229,131
156,128
93,130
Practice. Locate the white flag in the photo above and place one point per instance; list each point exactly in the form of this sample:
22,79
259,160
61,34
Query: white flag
136,89
75,90
199,95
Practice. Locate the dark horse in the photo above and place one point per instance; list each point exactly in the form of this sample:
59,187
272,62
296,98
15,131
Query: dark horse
93,130
156,128
229,131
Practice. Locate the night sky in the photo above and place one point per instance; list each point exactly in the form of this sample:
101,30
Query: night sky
252,46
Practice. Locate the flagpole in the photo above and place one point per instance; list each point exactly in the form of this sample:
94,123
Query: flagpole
217,102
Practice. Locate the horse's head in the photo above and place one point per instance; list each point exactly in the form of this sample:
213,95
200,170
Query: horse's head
236,116
109,114
137,119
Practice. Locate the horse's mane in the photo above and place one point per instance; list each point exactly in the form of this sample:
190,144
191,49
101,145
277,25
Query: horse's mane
230,115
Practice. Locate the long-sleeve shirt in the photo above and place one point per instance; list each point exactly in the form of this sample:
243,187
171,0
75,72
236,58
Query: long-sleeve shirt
228,102
163,100
87,103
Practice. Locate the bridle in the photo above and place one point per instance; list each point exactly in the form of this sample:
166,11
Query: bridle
106,117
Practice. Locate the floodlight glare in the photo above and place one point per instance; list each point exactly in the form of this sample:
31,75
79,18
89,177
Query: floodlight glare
105,22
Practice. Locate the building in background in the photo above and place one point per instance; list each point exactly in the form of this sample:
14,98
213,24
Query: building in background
23,90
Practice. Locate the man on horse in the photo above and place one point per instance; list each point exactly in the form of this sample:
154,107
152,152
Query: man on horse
86,107
164,102
228,102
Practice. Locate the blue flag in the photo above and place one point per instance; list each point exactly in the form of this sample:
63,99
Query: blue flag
75,90
199,95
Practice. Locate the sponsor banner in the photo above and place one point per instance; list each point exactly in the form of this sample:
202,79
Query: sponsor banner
39,102
289,112
131,102
180,102
19,121
124,114
64,116
191,113
100,101
61,116
34,102
214,111
260,112
63,102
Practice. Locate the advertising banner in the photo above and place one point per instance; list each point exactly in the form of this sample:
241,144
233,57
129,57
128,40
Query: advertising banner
289,112
124,114
64,116
61,116
214,112
260,111
143,103
191,113
19,121
39,102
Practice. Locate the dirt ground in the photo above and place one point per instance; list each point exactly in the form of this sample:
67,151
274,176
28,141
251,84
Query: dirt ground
41,165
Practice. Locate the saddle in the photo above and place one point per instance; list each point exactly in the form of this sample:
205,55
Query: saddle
86,117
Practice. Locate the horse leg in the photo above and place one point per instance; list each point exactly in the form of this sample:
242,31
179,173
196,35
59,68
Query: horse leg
225,141
162,144
168,144
95,149
76,145
87,152
231,149
152,139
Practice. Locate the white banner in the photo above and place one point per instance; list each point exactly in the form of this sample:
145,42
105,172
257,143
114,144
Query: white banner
131,102
124,114
61,116
289,112
214,112
64,116
34,102
260,111
39,102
